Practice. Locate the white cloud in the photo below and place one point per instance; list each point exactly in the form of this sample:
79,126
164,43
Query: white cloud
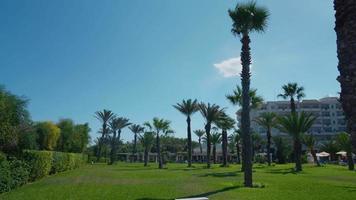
230,67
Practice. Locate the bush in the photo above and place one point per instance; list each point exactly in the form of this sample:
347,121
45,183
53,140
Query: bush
40,163
66,161
13,173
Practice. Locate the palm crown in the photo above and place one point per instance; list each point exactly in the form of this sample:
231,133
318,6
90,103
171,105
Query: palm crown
225,122
292,90
199,133
159,125
136,129
236,97
247,18
187,107
104,116
296,124
267,119
211,112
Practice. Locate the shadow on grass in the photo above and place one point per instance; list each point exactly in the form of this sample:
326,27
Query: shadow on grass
283,171
349,188
221,174
206,194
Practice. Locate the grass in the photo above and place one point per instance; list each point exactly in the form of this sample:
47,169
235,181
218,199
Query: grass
133,181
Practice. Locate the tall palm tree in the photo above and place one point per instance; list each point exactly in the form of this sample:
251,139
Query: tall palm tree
215,138
292,92
255,102
296,125
346,39
200,133
344,143
211,114
147,140
247,18
116,125
158,126
188,108
235,138
104,117
225,123
310,142
267,120
136,130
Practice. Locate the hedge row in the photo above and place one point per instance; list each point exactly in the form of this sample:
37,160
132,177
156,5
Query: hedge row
34,165
43,163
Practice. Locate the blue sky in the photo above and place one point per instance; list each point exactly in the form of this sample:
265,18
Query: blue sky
137,58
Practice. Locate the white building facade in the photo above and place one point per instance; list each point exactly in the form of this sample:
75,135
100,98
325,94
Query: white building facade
330,117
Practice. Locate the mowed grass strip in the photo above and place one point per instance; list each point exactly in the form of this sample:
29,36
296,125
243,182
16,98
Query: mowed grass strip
133,181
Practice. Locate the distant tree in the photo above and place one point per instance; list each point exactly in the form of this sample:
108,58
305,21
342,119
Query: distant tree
331,147
267,120
309,141
116,125
235,139
147,140
296,125
29,139
136,130
158,126
344,143
282,149
225,123
67,131
292,92
215,139
48,134
211,113
80,138
200,133
188,108
104,117
14,120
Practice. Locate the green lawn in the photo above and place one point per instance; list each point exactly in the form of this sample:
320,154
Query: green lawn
132,181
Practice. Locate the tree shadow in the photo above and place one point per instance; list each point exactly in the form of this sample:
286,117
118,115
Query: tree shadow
283,171
349,188
206,194
152,199
220,174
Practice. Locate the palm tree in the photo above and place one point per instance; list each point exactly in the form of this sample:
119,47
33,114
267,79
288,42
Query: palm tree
104,117
310,142
247,18
188,108
267,120
256,101
346,39
200,133
296,125
225,123
211,114
136,130
159,126
147,140
235,139
215,138
344,143
292,91
116,125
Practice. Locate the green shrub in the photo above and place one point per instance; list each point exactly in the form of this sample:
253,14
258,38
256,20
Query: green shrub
19,171
5,174
66,161
40,163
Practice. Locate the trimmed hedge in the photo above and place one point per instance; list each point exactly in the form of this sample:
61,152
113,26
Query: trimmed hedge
43,163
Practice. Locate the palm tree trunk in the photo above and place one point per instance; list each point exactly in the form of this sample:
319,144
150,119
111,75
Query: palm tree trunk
292,105
350,161
113,149
238,153
146,157
101,143
345,27
189,133
245,114
134,148
315,158
269,146
297,156
224,146
214,153
208,144
160,163
201,148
